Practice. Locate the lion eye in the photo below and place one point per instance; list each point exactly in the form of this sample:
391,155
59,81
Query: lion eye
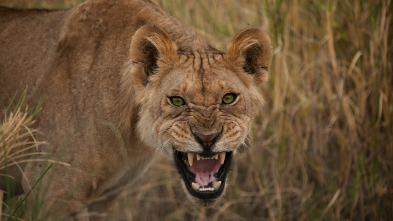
229,98
177,101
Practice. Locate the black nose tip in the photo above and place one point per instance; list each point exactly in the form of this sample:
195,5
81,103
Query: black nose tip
207,141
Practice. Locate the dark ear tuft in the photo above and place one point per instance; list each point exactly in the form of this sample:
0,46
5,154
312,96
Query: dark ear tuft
149,44
251,49
151,53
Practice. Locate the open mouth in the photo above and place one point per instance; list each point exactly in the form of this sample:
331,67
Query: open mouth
204,175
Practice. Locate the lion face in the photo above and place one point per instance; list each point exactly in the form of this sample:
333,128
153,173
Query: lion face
197,106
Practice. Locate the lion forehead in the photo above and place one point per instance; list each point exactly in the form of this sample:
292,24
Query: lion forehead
201,79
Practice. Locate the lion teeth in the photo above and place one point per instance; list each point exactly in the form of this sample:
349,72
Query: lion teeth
222,158
195,186
202,189
199,157
190,158
217,185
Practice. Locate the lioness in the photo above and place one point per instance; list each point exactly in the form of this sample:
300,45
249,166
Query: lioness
123,79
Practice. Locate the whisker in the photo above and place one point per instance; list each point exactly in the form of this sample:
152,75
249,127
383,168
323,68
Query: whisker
163,146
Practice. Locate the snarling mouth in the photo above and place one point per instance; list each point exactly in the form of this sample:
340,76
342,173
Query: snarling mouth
204,175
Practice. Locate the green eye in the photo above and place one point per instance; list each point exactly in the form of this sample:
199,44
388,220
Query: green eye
229,98
177,101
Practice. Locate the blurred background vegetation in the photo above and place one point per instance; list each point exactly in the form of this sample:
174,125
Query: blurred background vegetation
323,143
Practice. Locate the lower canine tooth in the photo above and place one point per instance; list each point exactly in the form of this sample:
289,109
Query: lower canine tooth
195,186
217,185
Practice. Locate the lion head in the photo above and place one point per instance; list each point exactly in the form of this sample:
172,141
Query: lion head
197,105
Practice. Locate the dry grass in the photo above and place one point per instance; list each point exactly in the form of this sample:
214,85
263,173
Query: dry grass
323,144
18,146
17,139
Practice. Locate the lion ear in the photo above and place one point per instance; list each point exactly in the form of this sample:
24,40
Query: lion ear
252,50
149,45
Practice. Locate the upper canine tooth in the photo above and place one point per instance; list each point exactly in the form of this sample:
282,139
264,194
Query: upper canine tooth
222,157
190,158
198,157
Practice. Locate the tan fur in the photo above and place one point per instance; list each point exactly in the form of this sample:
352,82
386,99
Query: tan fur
107,109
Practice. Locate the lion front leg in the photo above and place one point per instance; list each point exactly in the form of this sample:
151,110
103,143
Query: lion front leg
60,194
60,208
101,206
71,210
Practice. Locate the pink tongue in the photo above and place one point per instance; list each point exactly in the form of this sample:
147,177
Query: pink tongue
204,180
204,169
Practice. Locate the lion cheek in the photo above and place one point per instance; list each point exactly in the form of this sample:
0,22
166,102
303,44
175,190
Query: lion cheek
146,128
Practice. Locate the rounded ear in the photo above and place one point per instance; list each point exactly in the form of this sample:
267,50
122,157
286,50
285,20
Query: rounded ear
150,44
251,49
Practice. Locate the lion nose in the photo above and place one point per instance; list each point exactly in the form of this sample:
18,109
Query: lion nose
207,141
